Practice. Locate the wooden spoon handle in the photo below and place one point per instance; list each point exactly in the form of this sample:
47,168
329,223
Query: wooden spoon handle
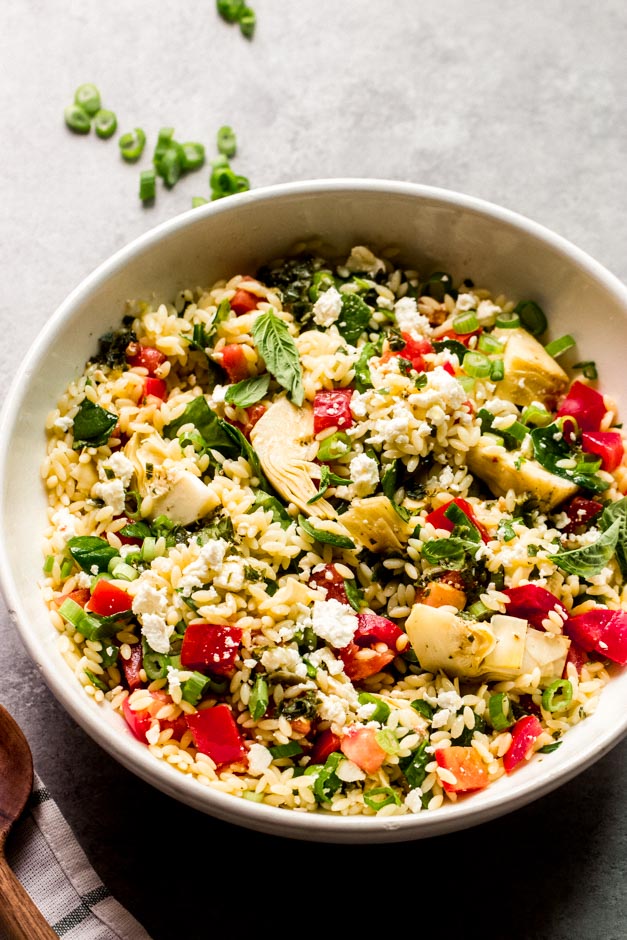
20,919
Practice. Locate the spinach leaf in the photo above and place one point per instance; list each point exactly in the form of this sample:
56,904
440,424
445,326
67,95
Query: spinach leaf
463,527
617,512
354,594
324,536
388,485
220,528
354,317
93,425
414,766
363,379
112,348
510,441
279,352
246,449
591,559
453,346
248,391
550,449
212,429
327,479
136,530
268,502
90,552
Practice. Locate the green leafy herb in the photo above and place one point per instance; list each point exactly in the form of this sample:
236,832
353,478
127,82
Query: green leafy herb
593,558
324,536
423,708
549,748
301,706
112,348
363,379
414,766
248,391
438,285
354,595
90,552
617,512
96,680
550,449
270,503
327,479
388,485
354,317
279,352
453,345
93,425
213,430
194,687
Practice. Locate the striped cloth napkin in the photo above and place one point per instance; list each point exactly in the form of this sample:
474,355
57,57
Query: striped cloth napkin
44,854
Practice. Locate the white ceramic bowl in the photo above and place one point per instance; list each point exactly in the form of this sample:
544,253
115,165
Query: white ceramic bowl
434,230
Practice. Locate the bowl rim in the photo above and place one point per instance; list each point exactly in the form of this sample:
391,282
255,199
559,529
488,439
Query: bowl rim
130,752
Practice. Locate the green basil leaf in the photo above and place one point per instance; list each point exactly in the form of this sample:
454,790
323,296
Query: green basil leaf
206,421
327,479
279,352
464,528
363,379
550,449
268,502
89,552
93,425
248,391
388,485
414,766
617,512
591,559
453,345
354,317
246,449
322,535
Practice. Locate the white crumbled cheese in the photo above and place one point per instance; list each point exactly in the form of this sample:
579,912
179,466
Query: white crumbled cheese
349,772
112,494
409,320
64,423
334,622
152,735
362,261
332,708
127,550
327,307
210,559
157,632
148,599
449,700
119,465
487,312
466,302
174,679
365,712
325,657
284,659
413,800
358,406
364,473
259,759
218,393
64,522
231,576
83,580
440,719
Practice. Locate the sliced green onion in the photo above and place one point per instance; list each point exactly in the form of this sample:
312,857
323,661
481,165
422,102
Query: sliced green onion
489,344
149,548
243,183
227,141
588,368
497,370
164,141
559,346
198,201
388,741
536,415
476,365
253,796
500,712
105,123
155,664
114,562
588,463
77,119
247,22
333,447
507,321
147,185
87,97
479,611
48,564
381,711
193,687
259,699
466,322
67,566
124,572
132,145
467,383
532,317
192,155
379,797
71,611
568,426
557,696
223,182
291,749
230,10
517,430
170,166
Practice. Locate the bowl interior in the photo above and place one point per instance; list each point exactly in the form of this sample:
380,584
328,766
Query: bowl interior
428,230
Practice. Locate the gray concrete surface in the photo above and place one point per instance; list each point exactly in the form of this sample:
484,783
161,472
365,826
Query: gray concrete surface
523,104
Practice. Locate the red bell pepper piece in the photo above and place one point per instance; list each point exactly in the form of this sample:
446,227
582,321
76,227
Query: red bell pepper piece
449,367
577,656
362,662
234,362
243,301
360,745
439,519
332,409
326,743
132,667
532,603
80,596
108,599
581,512
145,356
139,722
413,350
608,445
332,581
466,764
526,730
584,404
601,631
210,646
373,646
253,414
216,734
372,628
155,387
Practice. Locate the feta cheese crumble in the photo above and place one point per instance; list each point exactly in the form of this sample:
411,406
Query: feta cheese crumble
409,320
327,307
334,622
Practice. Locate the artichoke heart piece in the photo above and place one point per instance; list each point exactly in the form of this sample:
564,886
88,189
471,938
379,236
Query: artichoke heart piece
283,440
444,642
548,651
373,523
505,470
531,374
506,659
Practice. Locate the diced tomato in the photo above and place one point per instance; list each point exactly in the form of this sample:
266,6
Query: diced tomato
373,646
413,351
243,301
439,519
448,367
577,656
133,666
138,722
155,387
108,599
326,743
374,628
360,745
234,362
532,603
608,445
581,512
362,662
328,577
253,414
466,765
145,356
526,730
210,646
584,404
332,409
80,596
601,631
216,734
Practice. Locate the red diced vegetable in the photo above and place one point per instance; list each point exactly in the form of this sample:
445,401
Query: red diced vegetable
466,765
449,367
156,387
80,596
209,646
139,722
332,409
532,603
526,730
439,519
254,413
234,362
577,656
243,301
362,662
108,599
374,628
145,356
133,666
216,734
413,351
328,577
581,512
601,631
360,745
326,743
608,445
584,404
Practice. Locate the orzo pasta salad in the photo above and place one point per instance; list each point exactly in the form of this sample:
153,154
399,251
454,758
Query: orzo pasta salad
340,536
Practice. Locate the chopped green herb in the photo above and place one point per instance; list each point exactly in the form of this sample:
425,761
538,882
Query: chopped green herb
248,391
324,536
93,426
279,352
354,317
